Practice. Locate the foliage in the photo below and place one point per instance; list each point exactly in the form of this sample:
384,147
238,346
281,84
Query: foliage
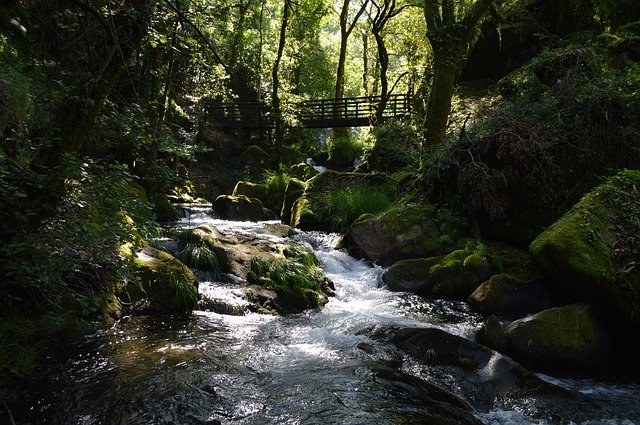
395,146
342,206
199,256
76,246
617,12
534,154
297,274
185,296
276,181
344,148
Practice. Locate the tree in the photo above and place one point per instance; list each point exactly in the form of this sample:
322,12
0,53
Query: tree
275,97
346,27
450,31
385,11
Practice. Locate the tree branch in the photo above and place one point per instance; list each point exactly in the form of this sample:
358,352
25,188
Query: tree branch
203,37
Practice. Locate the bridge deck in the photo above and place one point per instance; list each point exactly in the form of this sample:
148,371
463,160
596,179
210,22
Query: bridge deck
322,113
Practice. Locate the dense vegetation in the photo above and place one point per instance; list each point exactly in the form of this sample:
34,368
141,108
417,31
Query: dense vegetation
520,107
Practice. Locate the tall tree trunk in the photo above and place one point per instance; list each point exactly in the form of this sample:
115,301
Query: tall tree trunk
439,101
450,41
342,59
275,97
365,62
383,58
346,28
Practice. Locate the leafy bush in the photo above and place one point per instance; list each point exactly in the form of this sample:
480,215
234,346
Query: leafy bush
76,247
532,156
395,146
343,148
297,274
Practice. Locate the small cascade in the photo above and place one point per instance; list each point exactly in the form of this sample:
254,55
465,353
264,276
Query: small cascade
312,367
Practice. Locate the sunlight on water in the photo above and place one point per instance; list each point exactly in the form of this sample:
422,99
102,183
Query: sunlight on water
260,369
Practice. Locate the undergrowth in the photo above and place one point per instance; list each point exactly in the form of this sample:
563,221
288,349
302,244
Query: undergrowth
297,274
342,206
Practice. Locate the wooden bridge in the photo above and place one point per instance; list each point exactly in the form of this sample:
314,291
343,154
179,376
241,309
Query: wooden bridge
322,113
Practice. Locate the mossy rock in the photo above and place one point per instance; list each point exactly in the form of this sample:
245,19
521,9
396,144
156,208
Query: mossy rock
455,275
403,232
136,191
162,284
458,274
254,156
302,171
251,190
521,82
410,275
506,295
240,208
296,279
591,252
165,212
551,67
498,374
561,336
295,189
492,334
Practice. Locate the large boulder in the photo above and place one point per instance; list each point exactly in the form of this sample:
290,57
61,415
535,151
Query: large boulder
294,190
561,336
492,373
455,275
241,208
506,295
276,278
404,231
161,284
250,190
591,252
313,210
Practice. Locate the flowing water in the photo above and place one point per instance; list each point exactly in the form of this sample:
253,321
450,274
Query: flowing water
300,369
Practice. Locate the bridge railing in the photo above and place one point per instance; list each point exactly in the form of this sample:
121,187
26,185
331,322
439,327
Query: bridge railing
349,111
352,108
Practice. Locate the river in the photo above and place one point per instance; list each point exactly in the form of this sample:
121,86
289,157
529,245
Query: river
306,368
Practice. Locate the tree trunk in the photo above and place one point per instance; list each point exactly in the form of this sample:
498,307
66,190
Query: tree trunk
365,62
439,100
275,97
383,58
342,59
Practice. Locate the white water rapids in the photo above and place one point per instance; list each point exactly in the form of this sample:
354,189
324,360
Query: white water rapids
306,368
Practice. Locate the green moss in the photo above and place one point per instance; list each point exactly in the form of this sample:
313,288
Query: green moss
250,190
295,188
591,251
302,216
297,279
567,334
255,155
162,285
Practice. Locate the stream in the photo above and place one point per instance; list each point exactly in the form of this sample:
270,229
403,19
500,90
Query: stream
306,368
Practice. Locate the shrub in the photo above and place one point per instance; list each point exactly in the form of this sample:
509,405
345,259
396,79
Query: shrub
395,146
199,256
297,274
342,206
344,148
276,181
531,157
